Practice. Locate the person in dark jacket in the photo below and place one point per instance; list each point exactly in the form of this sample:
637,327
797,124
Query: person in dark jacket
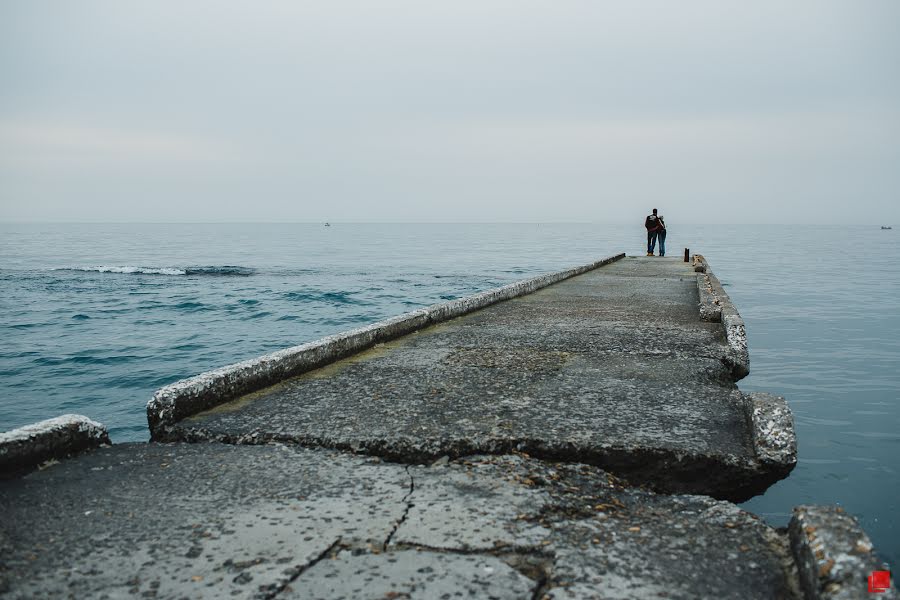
652,225
661,235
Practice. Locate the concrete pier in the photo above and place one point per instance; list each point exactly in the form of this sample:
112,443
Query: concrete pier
577,435
613,368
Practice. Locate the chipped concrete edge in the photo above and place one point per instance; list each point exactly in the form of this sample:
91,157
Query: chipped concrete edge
834,556
190,396
23,449
708,286
716,307
772,427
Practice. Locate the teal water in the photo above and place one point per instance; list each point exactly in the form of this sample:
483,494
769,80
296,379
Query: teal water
94,318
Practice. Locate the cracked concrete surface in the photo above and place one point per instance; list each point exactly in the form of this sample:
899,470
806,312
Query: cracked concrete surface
270,521
202,520
411,574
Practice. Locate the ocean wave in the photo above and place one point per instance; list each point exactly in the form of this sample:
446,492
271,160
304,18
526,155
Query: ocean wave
260,315
128,270
326,297
223,271
191,306
85,359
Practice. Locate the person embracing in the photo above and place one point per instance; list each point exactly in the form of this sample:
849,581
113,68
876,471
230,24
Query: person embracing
652,225
661,235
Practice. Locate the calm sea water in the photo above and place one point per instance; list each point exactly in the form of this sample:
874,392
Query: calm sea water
94,318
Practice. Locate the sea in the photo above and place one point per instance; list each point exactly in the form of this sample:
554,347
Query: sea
95,317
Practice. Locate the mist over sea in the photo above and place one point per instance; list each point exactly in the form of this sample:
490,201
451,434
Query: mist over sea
94,318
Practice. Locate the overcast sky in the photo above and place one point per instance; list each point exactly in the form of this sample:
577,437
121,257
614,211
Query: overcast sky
464,110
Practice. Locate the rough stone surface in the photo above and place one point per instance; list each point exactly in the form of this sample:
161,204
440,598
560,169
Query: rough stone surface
190,396
710,307
716,306
596,536
190,520
773,429
833,554
26,448
699,263
613,367
411,574
214,521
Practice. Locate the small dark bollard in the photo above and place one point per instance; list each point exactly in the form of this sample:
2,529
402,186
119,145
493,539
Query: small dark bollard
687,254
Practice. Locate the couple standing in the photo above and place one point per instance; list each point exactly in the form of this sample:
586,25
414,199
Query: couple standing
656,228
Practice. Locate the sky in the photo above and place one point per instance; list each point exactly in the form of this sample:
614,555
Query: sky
715,111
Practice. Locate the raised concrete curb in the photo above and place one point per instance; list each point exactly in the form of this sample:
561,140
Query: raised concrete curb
716,307
191,396
708,285
23,449
834,555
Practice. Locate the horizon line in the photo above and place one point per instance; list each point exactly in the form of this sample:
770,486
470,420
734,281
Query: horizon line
323,222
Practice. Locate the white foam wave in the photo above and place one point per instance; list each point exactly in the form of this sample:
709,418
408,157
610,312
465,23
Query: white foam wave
223,270
130,269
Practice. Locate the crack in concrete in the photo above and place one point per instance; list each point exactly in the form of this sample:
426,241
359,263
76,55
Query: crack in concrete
542,586
659,469
500,551
409,505
298,571
535,563
532,562
781,547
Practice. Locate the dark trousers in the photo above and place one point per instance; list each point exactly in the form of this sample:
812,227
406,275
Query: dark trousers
651,241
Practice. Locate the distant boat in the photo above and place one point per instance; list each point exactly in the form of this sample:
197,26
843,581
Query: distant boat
886,227
329,225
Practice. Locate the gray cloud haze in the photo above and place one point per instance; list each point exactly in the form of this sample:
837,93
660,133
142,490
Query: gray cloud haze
714,111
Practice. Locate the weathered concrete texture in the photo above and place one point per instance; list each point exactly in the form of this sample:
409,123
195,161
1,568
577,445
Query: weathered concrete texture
613,367
190,396
598,538
834,555
191,520
699,264
214,521
773,429
26,448
716,306
710,307
411,574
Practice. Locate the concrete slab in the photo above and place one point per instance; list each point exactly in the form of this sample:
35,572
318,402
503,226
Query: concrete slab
613,367
190,520
410,575
213,521
598,537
